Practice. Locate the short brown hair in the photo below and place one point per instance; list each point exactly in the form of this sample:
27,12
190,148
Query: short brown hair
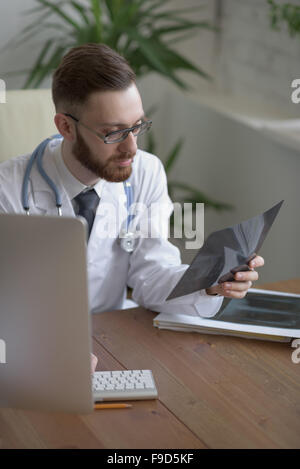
86,69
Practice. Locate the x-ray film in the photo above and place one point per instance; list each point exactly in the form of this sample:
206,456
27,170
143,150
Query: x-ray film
225,252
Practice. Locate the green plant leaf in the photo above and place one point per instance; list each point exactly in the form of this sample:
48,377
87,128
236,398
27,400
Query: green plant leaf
26,33
82,11
179,28
195,196
144,31
176,61
97,12
133,27
109,8
36,67
165,60
154,56
44,69
173,14
35,9
286,13
173,155
16,73
150,143
59,12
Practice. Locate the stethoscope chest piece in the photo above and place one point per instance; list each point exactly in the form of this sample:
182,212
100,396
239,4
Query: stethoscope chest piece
127,240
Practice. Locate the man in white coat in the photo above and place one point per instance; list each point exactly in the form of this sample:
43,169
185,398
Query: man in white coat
99,115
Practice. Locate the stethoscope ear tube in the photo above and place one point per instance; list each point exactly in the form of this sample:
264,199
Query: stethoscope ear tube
28,169
38,155
49,181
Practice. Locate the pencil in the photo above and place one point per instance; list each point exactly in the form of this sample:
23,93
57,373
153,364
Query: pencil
112,406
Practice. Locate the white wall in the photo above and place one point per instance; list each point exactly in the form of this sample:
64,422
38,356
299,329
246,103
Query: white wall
254,59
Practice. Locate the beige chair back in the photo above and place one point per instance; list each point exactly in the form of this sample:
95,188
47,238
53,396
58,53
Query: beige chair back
26,118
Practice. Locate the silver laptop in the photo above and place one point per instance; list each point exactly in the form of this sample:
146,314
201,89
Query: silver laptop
45,335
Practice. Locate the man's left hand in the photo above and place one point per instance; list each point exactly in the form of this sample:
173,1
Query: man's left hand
241,284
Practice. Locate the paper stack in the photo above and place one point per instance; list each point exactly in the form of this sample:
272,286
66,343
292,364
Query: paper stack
262,314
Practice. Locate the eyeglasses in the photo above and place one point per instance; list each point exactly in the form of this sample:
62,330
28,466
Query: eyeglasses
117,135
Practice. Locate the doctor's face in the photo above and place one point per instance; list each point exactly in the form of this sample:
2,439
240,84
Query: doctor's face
106,112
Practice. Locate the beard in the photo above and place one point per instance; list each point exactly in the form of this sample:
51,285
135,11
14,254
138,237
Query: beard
110,170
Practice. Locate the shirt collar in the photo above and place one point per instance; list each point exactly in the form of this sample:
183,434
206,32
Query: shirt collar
72,185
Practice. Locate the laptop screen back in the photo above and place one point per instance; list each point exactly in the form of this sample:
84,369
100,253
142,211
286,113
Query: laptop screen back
44,318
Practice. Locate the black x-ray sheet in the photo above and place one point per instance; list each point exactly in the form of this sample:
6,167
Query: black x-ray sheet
225,252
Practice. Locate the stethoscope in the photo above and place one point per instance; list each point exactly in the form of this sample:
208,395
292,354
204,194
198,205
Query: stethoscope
126,238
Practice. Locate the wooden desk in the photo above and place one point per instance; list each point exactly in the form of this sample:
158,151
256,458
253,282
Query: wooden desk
214,392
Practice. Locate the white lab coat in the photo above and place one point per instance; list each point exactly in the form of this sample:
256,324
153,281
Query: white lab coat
152,270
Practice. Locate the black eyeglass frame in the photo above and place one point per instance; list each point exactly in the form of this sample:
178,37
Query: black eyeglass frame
124,131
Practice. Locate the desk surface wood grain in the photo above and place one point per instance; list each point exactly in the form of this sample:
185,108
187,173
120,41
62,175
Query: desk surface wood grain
214,392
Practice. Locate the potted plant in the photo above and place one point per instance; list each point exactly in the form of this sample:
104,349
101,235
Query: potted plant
143,31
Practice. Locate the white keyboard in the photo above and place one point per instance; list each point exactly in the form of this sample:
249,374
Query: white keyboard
125,385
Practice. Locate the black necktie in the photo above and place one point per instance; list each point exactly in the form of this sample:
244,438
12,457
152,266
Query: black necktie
87,206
